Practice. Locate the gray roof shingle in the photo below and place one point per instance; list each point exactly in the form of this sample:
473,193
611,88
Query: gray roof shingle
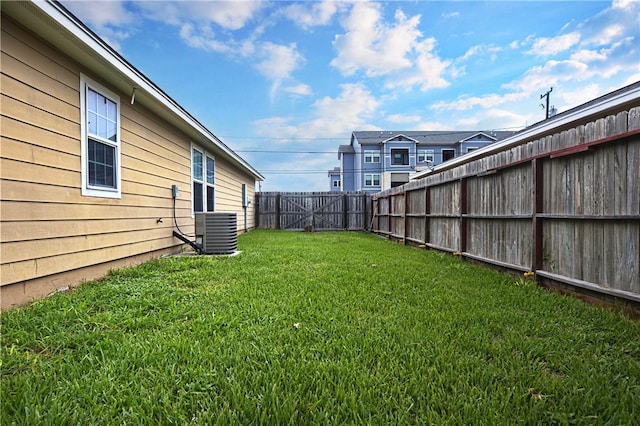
425,137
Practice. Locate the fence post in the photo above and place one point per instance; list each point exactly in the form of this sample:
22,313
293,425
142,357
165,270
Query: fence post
405,220
538,205
427,214
278,211
345,211
463,213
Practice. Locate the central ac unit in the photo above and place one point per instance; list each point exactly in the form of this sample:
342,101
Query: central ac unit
217,232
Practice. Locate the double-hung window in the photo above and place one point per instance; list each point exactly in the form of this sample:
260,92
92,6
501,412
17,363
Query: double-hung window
425,156
372,179
203,171
100,133
372,156
210,183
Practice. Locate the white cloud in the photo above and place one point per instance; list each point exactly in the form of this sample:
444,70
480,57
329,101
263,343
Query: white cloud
203,38
278,61
427,72
626,5
431,126
485,50
279,127
614,23
102,13
549,74
450,15
229,15
210,26
396,50
357,47
494,119
606,34
274,61
348,111
111,20
403,118
549,46
469,102
579,96
320,13
298,89
331,116
585,55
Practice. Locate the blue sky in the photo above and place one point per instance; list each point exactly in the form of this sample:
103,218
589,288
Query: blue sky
284,83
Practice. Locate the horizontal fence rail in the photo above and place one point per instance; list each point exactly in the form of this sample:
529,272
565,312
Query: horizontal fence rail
319,211
565,206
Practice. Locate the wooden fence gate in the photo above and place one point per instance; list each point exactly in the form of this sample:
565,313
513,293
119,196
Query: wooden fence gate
321,211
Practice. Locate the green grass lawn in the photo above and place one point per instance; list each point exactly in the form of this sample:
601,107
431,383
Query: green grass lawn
317,328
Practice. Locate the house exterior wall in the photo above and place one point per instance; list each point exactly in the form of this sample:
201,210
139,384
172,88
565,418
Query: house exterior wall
369,169
387,174
473,143
335,184
348,176
51,235
229,181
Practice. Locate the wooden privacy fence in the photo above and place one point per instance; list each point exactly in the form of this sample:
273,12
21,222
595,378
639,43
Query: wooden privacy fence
565,206
321,211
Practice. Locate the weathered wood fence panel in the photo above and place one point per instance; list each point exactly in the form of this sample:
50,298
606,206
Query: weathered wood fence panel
320,211
565,205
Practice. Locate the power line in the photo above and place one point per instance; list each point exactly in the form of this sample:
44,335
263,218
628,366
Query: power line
342,138
269,151
305,172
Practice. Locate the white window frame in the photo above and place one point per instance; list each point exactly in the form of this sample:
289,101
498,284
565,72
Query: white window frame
208,184
370,179
336,184
426,155
371,156
204,181
86,189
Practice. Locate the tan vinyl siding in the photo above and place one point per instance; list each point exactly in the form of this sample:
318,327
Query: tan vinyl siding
229,193
49,232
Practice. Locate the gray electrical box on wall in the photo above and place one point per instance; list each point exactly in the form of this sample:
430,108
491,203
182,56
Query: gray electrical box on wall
245,196
217,232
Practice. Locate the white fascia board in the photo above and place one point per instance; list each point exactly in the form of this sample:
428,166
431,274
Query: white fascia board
628,95
74,26
409,139
476,134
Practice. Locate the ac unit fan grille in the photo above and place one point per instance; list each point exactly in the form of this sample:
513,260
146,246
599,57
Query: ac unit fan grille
218,231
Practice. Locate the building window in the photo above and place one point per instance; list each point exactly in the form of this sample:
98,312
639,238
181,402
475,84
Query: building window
100,133
210,188
399,179
336,184
203,171
372,156
448,154
372,179
425,156
399,157
471,149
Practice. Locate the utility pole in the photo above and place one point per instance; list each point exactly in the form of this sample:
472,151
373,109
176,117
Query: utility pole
546,95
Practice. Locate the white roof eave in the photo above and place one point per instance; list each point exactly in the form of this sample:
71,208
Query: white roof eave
80,43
